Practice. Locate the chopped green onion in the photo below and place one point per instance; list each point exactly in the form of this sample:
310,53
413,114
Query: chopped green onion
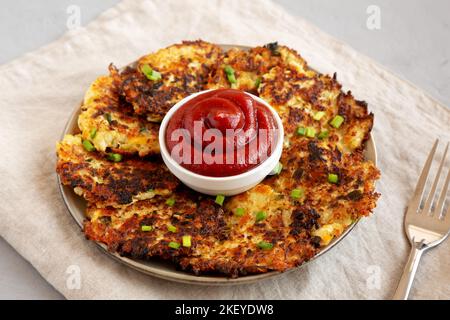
337,121
150,73
155,76
146,228
297,193
310,132
186,241
231,78
115,157
108,117
239,212
220,198
258,82
171,228
170,202
88,146
93,133
147,70
333,178
278,168
261,215
143,129
229,71
323,134
174,245
301,131
265,245
318,115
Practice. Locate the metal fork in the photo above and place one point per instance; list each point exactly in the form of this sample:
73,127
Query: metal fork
426,225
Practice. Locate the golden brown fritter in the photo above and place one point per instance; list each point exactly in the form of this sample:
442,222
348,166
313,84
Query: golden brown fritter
183,70
307,166
108,183
269,233
313,102
314,148
251,65
189,215
248,66
111,125
295,225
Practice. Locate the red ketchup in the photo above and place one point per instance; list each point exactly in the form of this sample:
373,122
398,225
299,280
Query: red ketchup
225,132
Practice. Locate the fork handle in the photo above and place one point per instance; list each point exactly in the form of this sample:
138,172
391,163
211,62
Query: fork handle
405,284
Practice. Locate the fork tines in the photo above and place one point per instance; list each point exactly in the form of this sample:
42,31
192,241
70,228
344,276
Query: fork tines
430,206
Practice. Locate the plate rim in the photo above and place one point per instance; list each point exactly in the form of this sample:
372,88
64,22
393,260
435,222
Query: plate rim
185,277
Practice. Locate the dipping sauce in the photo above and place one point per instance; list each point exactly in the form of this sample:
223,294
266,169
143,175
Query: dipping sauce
221,133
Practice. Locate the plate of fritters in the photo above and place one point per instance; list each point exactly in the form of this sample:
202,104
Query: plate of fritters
113,180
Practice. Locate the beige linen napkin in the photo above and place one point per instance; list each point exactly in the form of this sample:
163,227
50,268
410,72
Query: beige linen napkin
41,89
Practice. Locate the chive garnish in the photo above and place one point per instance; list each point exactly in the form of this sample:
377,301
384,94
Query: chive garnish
297,193
323,134
333,178
310,132
278,168
239,212
171,228
265,245
337,121
147,70
150,73
318,115
229,71
155,76
261,215
220,199
186,240
170,202
115,157
146,228
108,117
301,131
88,146
93,133
174,245
258,82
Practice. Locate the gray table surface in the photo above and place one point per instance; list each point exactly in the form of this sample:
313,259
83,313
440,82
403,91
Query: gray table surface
412,41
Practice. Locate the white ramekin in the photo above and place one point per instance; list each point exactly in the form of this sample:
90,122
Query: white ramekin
230,185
